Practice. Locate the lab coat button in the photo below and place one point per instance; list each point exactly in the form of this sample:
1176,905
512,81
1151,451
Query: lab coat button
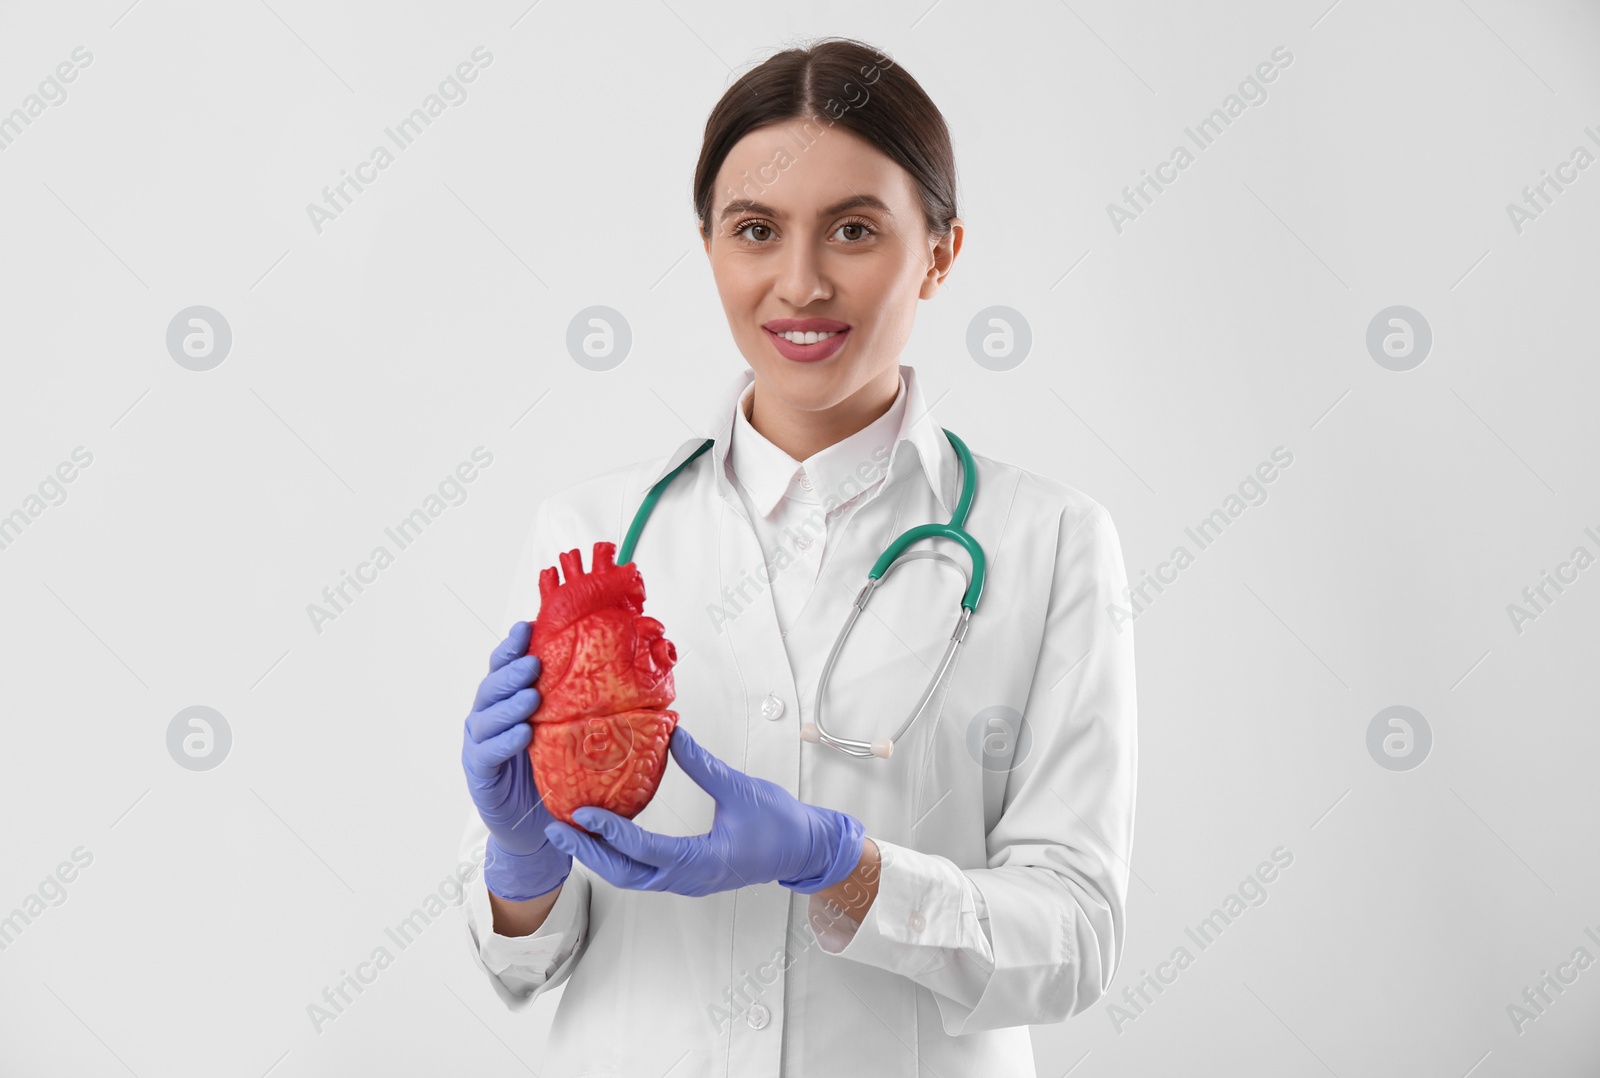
917,923
771,707
805,480
758,1016
803,543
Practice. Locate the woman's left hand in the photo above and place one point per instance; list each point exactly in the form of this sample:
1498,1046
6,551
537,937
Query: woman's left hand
760,833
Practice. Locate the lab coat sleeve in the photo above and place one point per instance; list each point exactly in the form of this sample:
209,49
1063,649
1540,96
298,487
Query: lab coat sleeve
1054,890
521,968
913,890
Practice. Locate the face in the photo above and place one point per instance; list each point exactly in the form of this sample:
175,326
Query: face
811,224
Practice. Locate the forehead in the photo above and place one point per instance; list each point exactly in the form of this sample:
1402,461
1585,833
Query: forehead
801,166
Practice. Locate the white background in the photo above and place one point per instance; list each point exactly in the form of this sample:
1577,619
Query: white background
431,316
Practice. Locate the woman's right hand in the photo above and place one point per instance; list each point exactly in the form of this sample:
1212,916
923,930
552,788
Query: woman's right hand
520,863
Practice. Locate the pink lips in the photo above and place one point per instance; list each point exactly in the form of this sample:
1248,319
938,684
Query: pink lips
807,353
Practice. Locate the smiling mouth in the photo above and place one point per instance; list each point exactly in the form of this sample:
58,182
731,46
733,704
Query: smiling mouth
795,336
808,346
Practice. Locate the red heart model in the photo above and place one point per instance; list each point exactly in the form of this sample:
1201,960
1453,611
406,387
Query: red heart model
600,732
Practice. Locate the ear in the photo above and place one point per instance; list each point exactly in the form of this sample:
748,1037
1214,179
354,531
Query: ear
942,253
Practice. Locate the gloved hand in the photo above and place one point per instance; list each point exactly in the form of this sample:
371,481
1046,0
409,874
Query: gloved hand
519,861
760,833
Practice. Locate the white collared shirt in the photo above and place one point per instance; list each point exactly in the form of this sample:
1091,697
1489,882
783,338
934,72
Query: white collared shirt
1004,848
799,509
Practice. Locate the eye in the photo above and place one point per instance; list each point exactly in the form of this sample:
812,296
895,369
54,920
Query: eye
857,222
752,222
864,226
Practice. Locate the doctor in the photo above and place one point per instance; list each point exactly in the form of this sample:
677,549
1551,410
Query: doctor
781,907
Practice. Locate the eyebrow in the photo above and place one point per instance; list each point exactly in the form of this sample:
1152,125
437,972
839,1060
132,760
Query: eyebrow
747,205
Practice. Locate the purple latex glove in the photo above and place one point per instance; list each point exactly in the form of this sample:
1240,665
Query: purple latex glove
519,861
760,833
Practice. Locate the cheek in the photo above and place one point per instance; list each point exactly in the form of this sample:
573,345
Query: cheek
888,281
739,294
891,296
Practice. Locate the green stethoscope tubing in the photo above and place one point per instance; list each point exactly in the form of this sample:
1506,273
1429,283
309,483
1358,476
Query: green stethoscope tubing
955,530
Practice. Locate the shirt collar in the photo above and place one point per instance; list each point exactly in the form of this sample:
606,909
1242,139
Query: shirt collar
841,471
918,443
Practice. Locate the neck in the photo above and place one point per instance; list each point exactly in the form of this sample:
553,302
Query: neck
802,434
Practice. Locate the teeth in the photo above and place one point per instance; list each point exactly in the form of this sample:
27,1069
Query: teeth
806,338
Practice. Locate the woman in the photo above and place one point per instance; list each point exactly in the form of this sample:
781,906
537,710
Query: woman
817,913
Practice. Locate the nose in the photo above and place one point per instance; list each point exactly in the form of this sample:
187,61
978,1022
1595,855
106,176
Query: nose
801,280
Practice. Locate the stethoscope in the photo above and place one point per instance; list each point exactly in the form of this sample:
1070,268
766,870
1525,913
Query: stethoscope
956,529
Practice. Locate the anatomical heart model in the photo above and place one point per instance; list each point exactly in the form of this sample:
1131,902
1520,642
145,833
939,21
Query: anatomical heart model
605,677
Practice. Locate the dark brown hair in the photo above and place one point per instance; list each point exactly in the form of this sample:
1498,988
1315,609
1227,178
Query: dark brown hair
845,82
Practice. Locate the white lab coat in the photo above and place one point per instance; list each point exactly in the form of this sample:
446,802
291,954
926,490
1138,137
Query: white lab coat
1004,874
